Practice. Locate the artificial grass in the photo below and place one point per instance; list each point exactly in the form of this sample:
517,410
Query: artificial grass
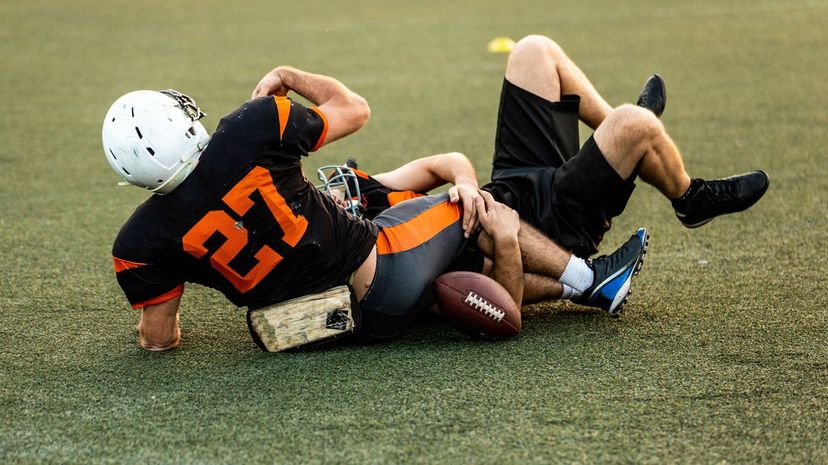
719,358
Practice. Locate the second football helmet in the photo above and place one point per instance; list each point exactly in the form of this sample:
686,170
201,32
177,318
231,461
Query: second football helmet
340,182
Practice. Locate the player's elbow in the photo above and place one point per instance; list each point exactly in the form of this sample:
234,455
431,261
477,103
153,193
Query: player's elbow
353,113
361,112
346,113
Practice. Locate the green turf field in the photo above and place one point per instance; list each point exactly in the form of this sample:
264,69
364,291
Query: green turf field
721,356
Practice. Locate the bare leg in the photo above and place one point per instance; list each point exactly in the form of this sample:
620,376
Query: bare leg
539,253
603,282
539,65
633,140
536,288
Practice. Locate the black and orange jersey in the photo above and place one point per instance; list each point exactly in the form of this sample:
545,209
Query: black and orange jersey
377,198
246,221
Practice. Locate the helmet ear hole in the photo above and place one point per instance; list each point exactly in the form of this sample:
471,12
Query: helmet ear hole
151,151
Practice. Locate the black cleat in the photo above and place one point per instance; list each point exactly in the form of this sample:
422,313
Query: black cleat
706,200
654,95
614,273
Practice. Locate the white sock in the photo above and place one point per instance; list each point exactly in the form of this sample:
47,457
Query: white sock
568,292
577,275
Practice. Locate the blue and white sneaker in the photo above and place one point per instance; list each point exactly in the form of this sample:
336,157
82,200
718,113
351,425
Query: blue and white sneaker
614,273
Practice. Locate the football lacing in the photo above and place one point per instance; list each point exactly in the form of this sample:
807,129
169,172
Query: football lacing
484,306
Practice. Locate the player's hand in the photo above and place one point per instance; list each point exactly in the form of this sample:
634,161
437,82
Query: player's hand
497,219
271,84
469,195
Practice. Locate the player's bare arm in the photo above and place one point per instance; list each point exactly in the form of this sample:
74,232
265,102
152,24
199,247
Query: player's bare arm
345,110
503,225
425,174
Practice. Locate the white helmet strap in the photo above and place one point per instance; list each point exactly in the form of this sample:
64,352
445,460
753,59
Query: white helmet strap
189,161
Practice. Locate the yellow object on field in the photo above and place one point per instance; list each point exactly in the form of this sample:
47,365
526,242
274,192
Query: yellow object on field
501,45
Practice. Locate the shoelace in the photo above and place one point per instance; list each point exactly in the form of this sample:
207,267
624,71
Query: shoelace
720,190
612,261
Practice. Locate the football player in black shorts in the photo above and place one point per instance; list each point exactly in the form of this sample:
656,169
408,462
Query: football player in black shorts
572,194
234,212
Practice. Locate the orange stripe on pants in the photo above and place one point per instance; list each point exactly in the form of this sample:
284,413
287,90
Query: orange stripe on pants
417,230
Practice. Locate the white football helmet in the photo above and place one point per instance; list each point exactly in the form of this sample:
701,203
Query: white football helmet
341,183
153,139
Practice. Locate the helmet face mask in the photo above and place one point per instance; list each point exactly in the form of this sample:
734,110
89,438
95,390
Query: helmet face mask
340,182
154,139
186,103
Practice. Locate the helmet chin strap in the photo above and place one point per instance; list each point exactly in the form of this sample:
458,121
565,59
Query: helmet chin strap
189,160
195,150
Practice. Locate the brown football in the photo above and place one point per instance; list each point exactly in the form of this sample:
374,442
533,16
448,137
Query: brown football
477,305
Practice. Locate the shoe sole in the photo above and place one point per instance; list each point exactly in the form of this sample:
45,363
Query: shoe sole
618,307
663,91
696,225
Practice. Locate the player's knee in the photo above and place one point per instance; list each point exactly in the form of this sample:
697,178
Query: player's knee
635,122
538,45
627,134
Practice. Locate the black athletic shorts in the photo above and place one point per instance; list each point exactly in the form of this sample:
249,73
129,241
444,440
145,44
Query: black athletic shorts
571,195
